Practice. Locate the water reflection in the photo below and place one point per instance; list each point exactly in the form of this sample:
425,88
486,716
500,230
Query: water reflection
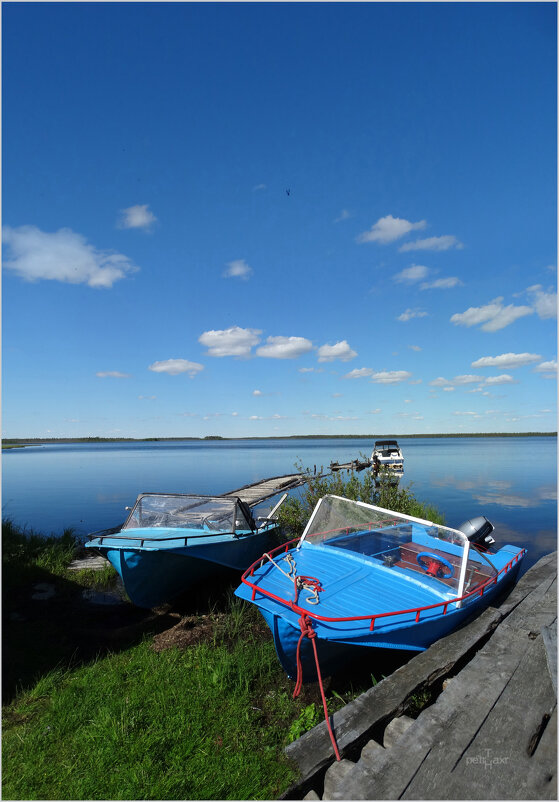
512,500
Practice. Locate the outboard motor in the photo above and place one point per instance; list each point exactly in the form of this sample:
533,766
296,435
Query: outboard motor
478,531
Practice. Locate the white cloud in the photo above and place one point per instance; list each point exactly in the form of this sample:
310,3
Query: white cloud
443,243
391,376
492,317
415,347
230,342
257,392
359,373
344,215
545,366
147,397
380,377
284,347
136,217
411,313
467,379
545,303
238,268
176,366
548,370
310,370
341,350
448,389
259,187
412,274
388,229
504,378
374,412
506,361
442,283
62,256
112,374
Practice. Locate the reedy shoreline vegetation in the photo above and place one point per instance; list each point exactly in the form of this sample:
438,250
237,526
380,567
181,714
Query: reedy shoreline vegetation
207,719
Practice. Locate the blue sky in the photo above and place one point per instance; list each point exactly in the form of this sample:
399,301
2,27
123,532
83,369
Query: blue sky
278,219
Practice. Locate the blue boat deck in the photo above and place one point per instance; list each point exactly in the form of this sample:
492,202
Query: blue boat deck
349,586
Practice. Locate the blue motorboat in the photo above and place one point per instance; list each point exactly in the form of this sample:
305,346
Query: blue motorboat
361,576
171,541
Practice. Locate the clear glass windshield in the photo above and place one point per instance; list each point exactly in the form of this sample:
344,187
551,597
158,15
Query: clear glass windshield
387,449
187,512
398,541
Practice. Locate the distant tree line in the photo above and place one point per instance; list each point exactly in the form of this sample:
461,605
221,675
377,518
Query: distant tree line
31,440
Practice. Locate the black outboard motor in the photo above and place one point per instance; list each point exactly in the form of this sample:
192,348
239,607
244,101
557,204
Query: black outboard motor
478,531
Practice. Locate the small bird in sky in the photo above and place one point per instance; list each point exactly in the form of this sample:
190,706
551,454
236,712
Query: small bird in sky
288,192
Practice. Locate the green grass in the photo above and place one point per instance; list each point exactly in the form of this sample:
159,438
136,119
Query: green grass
146,725
25,551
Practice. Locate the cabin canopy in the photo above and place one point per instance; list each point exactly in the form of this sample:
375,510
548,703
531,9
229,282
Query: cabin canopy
222,514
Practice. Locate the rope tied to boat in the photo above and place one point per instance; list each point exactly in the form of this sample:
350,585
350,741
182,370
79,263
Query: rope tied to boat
290,560
307,631
300,582
308,583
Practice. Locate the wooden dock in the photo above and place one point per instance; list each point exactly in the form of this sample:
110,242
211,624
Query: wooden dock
266,488
489,732
354,465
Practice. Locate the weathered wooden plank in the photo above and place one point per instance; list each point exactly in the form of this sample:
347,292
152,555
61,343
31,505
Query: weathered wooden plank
442,728
538,609
542,770
544,569
493,764
549,635
266,488
90,563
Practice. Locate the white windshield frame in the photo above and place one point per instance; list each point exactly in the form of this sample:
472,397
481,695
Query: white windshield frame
456,532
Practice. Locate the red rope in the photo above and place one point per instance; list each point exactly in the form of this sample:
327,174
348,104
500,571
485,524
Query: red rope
308,631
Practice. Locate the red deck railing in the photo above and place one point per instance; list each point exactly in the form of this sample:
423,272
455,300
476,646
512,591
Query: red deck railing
477,591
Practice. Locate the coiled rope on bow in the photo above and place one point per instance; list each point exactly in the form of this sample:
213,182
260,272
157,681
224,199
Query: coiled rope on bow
307,631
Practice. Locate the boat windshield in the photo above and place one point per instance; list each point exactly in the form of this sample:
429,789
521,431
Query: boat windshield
187,512
398,541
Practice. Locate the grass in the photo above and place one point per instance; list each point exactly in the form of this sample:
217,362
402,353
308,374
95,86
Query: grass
147,725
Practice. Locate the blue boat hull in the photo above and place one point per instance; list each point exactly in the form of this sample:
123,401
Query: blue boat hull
333,654
152,577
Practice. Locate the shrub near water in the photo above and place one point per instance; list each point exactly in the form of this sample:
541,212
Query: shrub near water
382,492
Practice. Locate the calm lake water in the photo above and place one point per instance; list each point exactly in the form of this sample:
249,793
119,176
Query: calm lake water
511,480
